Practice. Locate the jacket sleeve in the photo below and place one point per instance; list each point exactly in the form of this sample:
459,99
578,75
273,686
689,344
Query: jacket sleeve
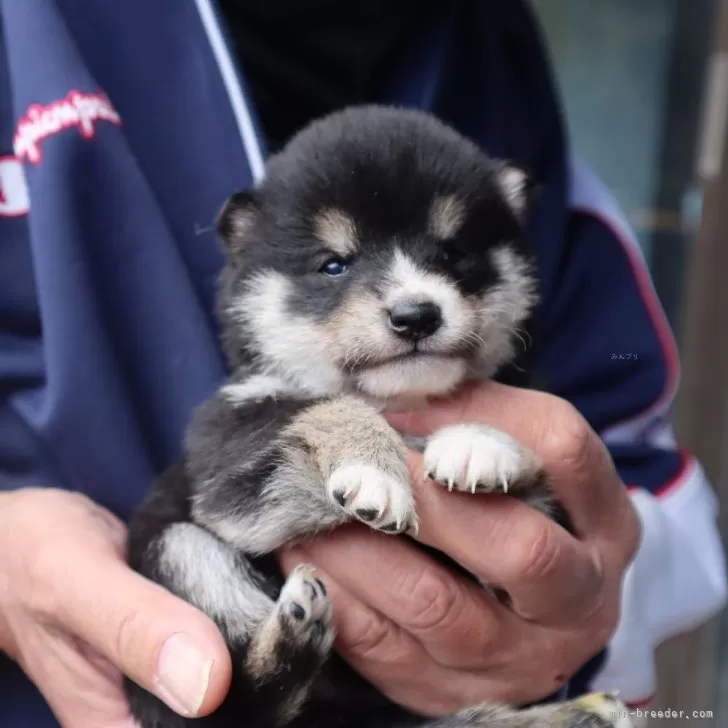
607,348
23,460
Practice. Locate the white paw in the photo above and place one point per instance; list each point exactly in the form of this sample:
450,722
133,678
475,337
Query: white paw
373,496
304,606
477,458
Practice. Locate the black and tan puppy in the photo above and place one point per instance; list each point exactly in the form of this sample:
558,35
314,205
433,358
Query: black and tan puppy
381,259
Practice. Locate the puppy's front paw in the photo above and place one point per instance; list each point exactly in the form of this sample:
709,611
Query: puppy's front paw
374,497
476,458
304,610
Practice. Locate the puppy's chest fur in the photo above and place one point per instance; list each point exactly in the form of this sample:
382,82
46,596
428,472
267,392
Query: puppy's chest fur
294,444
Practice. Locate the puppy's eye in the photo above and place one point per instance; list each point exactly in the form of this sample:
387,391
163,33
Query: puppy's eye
449,255
335,267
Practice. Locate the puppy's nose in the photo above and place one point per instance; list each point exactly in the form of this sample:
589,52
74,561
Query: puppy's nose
415,321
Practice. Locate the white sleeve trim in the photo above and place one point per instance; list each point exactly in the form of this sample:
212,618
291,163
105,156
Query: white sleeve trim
238,102
676,582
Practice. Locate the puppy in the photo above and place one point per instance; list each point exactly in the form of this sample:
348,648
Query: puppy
381,260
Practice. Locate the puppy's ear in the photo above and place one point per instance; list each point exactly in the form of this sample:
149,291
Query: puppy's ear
519,188
235,220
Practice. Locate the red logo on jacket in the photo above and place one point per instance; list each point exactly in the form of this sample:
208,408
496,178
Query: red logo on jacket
78,110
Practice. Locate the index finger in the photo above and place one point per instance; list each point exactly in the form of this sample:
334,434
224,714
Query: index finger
454,619
551,577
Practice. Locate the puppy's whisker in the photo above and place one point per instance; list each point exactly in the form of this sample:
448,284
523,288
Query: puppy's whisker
474,338
203,230
520,337
525,333
355,357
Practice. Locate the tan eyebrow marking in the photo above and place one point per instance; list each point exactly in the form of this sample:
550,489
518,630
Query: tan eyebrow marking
513,183
447,214
336,230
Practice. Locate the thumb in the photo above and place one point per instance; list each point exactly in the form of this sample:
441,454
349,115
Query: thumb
159,641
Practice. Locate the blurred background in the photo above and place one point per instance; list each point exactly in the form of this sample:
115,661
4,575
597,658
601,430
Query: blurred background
645,89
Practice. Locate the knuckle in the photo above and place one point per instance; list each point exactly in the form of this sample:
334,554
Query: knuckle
569,437
590,637
369,637
129,638
534,553
434,603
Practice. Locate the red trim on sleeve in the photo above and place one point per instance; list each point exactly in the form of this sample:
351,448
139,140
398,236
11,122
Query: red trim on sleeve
654,310
640,703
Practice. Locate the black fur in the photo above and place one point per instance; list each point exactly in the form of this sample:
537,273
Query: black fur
259,466
383,167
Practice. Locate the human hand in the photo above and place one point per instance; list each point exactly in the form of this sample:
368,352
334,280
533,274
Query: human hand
75,616
434,641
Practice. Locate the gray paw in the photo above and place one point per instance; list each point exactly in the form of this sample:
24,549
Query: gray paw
595,710
304,609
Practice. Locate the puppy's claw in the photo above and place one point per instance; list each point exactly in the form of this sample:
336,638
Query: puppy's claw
381,499
367,514
414,528
475,458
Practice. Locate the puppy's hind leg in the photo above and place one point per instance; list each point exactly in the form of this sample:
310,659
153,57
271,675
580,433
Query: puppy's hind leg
290,645
595,710
274,645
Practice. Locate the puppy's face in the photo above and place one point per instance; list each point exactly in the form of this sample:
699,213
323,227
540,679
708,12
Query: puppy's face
382,253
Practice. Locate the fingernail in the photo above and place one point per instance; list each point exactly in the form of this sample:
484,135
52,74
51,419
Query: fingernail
183,674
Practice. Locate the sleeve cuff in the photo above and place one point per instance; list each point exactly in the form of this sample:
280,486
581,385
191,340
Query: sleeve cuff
676,582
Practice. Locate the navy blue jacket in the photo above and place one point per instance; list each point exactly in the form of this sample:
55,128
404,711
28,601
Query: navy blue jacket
123,127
